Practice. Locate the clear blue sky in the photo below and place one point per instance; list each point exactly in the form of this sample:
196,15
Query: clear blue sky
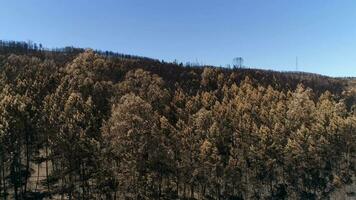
268,34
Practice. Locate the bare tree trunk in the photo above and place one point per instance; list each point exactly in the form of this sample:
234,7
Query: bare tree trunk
14,170
47,174
63,181
204,190
192,191
177,185
3,177
38,175
27,161
82,177
218,191
70,192
160,187
20,172
3,180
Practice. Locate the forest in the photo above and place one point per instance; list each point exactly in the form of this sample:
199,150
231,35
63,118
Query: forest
88,124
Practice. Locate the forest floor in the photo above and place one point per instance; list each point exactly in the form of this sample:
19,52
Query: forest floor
347,192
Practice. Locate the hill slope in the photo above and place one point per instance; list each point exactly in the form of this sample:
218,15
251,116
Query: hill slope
103,125
177,72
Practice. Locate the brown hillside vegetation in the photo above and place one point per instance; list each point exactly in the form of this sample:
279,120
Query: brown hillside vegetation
103,125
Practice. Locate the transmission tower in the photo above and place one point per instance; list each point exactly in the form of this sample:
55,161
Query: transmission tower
238,62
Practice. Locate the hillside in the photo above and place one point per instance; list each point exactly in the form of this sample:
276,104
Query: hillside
178,72
87,124
351,82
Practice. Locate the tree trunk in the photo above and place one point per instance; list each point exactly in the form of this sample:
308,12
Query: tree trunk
177,186
218,191
160,187
47,174
27,161
3,177
38,176
14,171
20,172
83,182
3,180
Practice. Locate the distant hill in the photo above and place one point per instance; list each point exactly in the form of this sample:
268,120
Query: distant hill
188,76
179,72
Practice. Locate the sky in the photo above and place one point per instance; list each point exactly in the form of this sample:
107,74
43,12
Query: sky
266,34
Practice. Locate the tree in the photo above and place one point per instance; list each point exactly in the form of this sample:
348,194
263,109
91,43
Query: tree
142,153
75,112
13,122
149,87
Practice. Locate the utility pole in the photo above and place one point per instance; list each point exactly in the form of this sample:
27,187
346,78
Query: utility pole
296,64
